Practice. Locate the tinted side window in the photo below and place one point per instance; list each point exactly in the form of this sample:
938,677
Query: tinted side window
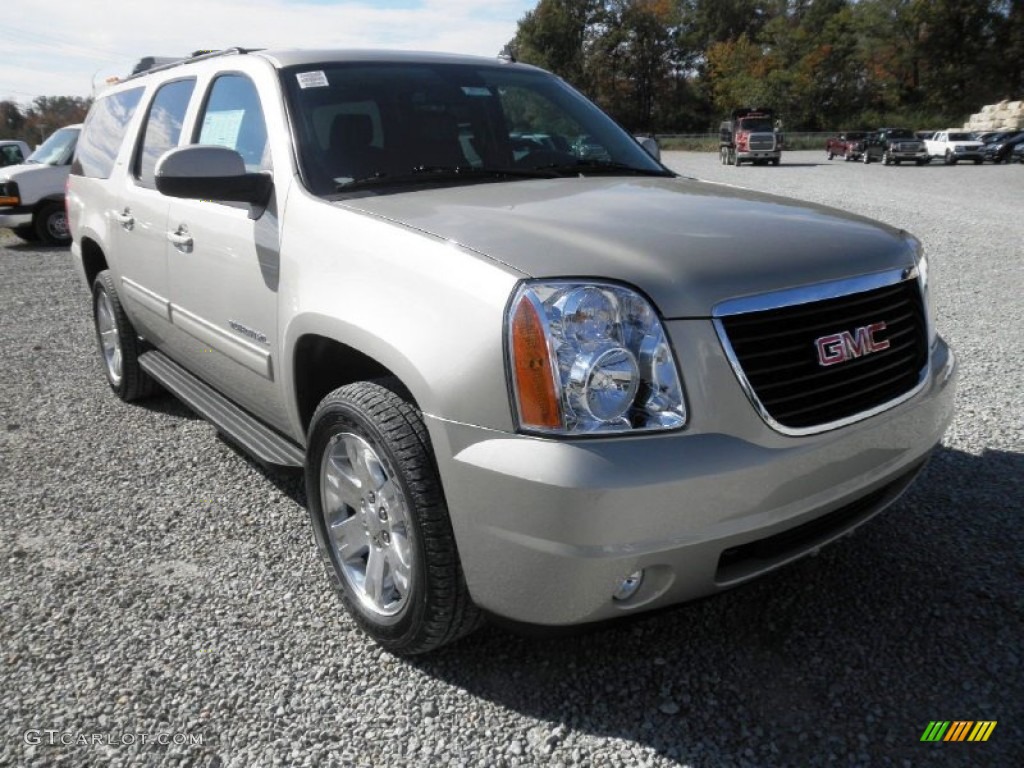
163,127
103,133
233,118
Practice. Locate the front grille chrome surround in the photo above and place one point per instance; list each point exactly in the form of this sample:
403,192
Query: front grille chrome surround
800,300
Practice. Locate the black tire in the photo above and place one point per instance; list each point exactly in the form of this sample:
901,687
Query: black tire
736,158
977,162
896,162
866,157
435,608
125,376
51,224
776,160
26,232
829,154
950,159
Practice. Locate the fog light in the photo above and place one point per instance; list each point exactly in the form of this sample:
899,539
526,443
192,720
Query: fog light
629,586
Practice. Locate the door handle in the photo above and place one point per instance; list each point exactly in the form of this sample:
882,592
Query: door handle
181,239
125,219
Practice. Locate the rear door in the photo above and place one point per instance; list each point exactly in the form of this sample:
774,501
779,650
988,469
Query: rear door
140,216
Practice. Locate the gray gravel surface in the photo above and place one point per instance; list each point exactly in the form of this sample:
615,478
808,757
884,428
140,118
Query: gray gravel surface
155,585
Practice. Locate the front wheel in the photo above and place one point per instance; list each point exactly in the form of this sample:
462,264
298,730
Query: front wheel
829,154
51,224
119,344
866,157
950,159
380,520
736,158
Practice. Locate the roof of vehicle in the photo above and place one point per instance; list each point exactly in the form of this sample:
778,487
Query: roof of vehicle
289,57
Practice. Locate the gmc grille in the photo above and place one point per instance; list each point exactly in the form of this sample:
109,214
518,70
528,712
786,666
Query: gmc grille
777,352
762,142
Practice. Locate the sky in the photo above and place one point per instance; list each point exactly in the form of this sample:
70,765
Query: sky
61,49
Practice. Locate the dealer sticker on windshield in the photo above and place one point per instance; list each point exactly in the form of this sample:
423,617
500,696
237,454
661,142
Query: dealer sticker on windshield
312,79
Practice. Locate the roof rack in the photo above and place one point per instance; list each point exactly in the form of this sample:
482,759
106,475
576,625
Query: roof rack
149,64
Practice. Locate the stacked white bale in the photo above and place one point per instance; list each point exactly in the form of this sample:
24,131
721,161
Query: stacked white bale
1004,116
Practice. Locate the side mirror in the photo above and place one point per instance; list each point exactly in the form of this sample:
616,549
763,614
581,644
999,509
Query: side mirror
651,145
201,172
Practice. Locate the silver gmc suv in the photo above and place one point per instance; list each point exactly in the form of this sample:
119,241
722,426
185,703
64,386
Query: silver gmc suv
523,379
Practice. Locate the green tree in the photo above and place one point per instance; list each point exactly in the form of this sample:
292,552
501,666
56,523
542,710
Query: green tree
12,121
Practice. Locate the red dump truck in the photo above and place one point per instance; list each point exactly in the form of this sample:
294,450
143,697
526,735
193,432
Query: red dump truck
752,136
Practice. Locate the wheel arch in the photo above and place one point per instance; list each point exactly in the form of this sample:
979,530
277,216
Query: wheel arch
94,260
320,363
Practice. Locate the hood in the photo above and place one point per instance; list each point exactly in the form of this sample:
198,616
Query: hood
687,244
14,172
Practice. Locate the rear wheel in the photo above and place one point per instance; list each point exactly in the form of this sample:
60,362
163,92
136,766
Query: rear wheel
51,224
380,519
829,154
119,345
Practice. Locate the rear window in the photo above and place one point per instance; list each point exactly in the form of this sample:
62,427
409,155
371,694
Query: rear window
103,133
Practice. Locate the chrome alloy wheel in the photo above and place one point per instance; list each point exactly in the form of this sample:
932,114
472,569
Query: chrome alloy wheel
110,341
367,523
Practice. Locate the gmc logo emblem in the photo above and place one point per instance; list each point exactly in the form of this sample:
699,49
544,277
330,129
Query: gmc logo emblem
840,347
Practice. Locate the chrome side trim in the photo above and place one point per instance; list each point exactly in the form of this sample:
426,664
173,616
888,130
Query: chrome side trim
146,299
242,352
807,295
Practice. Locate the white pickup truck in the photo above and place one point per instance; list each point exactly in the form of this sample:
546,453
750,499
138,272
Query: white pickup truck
954,146
32,193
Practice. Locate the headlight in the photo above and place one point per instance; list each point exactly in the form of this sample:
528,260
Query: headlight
925,278
9,193
589,358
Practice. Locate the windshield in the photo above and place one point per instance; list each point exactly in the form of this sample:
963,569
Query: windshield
757,125
901,133
960,137
56,150
360,124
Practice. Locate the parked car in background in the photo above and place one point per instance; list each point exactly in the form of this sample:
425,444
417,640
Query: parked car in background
922,135
13,152
32,194
998,151
848,145
953,146
894,146
1017,156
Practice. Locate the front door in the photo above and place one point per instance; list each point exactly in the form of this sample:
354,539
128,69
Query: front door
223,265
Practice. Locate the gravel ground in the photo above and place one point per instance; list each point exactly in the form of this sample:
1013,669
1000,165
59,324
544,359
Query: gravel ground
157,587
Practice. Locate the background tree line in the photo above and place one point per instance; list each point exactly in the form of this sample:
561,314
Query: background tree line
45,115
680,65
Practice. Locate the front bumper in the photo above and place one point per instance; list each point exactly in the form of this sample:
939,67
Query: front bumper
548,529
10,218
919,156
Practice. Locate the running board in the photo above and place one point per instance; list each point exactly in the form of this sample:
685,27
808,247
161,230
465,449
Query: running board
264,444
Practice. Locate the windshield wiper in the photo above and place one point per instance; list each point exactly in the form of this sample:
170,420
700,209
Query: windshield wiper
431,173
596,167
